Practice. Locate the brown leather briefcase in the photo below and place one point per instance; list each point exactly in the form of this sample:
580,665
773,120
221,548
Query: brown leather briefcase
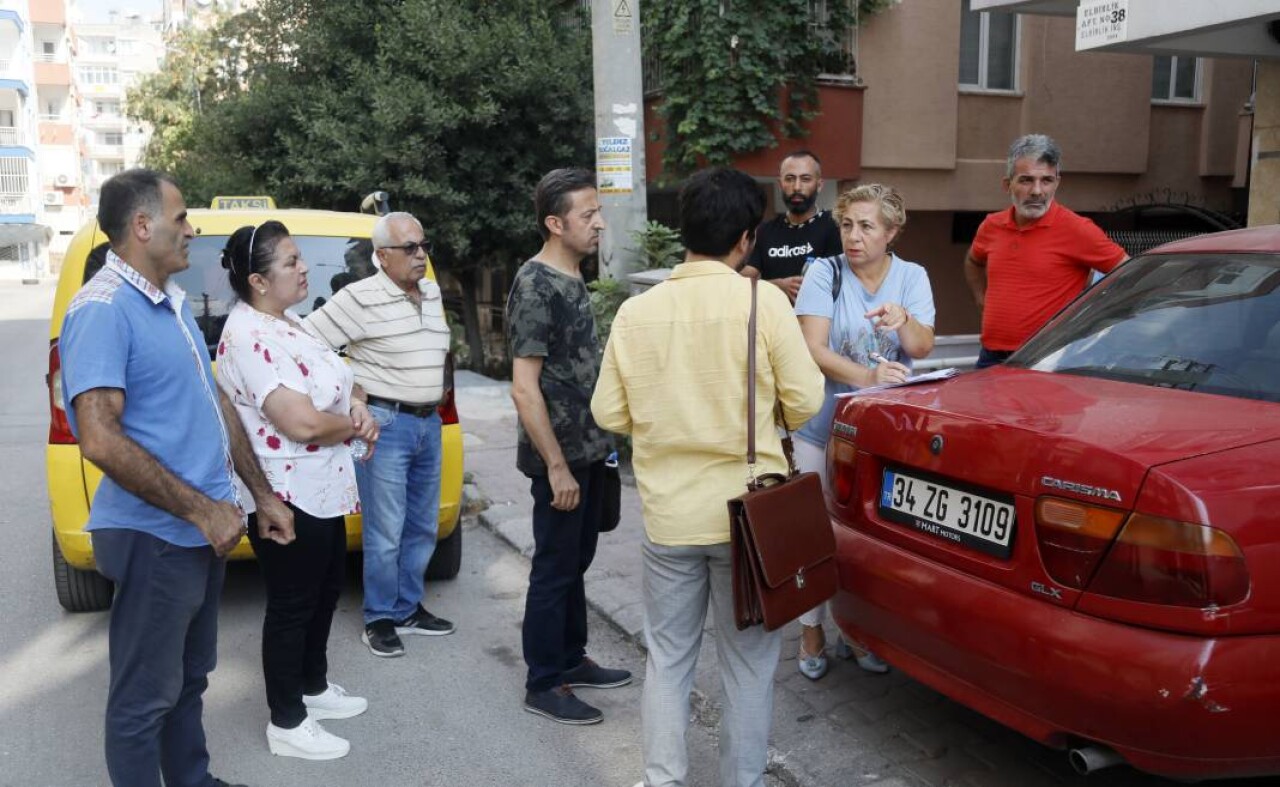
782,544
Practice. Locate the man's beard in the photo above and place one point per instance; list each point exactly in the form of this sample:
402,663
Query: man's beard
803,205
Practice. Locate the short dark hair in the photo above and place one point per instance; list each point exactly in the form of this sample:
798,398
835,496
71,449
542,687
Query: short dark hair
716,207
250,250
554,192
804,153
127,194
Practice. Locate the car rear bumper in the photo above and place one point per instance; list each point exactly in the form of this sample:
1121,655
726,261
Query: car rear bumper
1180,706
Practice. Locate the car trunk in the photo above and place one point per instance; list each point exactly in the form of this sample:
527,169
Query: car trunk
1011,437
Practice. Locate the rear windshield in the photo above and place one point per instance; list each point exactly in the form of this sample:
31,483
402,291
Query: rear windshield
333,263
1208,323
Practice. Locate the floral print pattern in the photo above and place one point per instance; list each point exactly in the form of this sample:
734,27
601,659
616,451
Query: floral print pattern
258,353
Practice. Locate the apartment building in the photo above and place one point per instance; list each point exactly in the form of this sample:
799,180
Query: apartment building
110,58
58,151
23,235
1155,146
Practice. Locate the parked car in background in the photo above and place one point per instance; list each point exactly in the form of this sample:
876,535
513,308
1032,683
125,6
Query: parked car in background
338,251
1084,544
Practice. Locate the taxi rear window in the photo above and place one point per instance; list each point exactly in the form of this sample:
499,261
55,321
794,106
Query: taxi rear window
333,263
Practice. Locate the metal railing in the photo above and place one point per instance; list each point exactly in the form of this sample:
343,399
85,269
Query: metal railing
17,203
10,135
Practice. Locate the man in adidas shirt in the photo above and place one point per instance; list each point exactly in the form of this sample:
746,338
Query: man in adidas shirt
788,242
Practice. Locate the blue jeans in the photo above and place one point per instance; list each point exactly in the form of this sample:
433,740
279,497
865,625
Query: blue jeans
163,644
400,507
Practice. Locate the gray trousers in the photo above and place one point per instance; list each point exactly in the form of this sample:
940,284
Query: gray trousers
678,582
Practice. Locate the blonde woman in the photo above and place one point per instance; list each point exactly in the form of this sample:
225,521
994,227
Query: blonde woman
865,315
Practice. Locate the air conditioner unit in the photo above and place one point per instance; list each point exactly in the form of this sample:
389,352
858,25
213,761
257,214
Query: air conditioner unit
53,197
63,180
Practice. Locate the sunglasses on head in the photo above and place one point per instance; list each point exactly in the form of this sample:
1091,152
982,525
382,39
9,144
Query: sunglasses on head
412,248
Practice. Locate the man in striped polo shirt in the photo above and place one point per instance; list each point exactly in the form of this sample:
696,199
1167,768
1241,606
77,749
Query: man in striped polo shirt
393,329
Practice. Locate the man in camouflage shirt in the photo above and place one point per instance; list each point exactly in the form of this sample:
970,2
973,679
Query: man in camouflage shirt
556,359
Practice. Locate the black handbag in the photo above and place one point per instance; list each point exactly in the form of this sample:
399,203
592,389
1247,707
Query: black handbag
782,544
610,495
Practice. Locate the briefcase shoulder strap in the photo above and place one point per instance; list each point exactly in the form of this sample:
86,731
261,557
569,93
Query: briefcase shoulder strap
787,447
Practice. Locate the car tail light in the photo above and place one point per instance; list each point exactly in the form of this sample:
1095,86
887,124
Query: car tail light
841,457
59,426
1073,537
1162,561
448,408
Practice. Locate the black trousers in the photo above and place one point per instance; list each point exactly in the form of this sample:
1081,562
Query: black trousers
304,579
554,634
991,357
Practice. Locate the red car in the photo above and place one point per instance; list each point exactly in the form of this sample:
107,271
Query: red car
1084,543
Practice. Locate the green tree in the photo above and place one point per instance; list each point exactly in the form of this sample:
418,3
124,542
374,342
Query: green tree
730,71
456,109
203,70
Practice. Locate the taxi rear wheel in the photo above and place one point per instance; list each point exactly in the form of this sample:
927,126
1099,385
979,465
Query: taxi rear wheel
79,591
447,560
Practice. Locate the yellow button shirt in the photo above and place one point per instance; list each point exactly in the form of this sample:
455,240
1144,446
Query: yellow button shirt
674,377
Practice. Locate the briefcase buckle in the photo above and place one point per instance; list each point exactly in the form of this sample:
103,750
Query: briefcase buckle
800,579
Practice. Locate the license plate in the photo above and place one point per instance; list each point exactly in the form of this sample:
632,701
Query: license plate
974,520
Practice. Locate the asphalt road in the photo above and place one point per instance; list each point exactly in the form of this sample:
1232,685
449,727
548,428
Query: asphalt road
448,713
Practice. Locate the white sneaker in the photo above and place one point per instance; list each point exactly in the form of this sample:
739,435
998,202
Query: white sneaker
334,703
308,740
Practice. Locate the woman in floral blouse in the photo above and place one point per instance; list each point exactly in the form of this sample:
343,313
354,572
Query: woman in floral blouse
295,397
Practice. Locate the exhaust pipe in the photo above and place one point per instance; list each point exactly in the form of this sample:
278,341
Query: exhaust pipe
1087,759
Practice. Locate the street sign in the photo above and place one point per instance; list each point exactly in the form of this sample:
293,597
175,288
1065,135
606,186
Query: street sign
1101,22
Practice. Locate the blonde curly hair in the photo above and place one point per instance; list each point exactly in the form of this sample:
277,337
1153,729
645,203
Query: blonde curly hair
892,210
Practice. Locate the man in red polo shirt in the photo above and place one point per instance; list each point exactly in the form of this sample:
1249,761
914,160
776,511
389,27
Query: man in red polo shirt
1030,260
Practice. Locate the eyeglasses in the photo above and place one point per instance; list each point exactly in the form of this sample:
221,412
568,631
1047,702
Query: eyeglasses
412,248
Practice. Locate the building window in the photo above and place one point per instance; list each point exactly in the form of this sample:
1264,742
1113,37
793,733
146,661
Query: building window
1175,78
112,138
839,47
99,75
988,49
109,168
108,109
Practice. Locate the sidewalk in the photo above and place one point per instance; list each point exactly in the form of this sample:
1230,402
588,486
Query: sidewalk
850,728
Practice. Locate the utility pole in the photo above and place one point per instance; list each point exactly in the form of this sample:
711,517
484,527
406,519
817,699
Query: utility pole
619,114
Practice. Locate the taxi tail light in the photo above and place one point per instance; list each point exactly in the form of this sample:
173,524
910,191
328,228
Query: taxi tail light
1163,561
448,406
1073,537
59,426
841,461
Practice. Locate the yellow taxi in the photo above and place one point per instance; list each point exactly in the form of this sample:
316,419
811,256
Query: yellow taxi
338,251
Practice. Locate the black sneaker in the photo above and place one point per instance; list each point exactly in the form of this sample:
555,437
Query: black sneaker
560,705
380,636
590,675
423,622
220,783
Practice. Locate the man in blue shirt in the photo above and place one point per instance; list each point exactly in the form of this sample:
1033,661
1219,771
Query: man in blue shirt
147,412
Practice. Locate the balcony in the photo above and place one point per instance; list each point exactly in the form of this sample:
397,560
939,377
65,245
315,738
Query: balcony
53,73
110,122
101,150
11,17
11,137
49,12
835,135
17,208
11,79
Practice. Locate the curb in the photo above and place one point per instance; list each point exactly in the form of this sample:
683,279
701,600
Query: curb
787,768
